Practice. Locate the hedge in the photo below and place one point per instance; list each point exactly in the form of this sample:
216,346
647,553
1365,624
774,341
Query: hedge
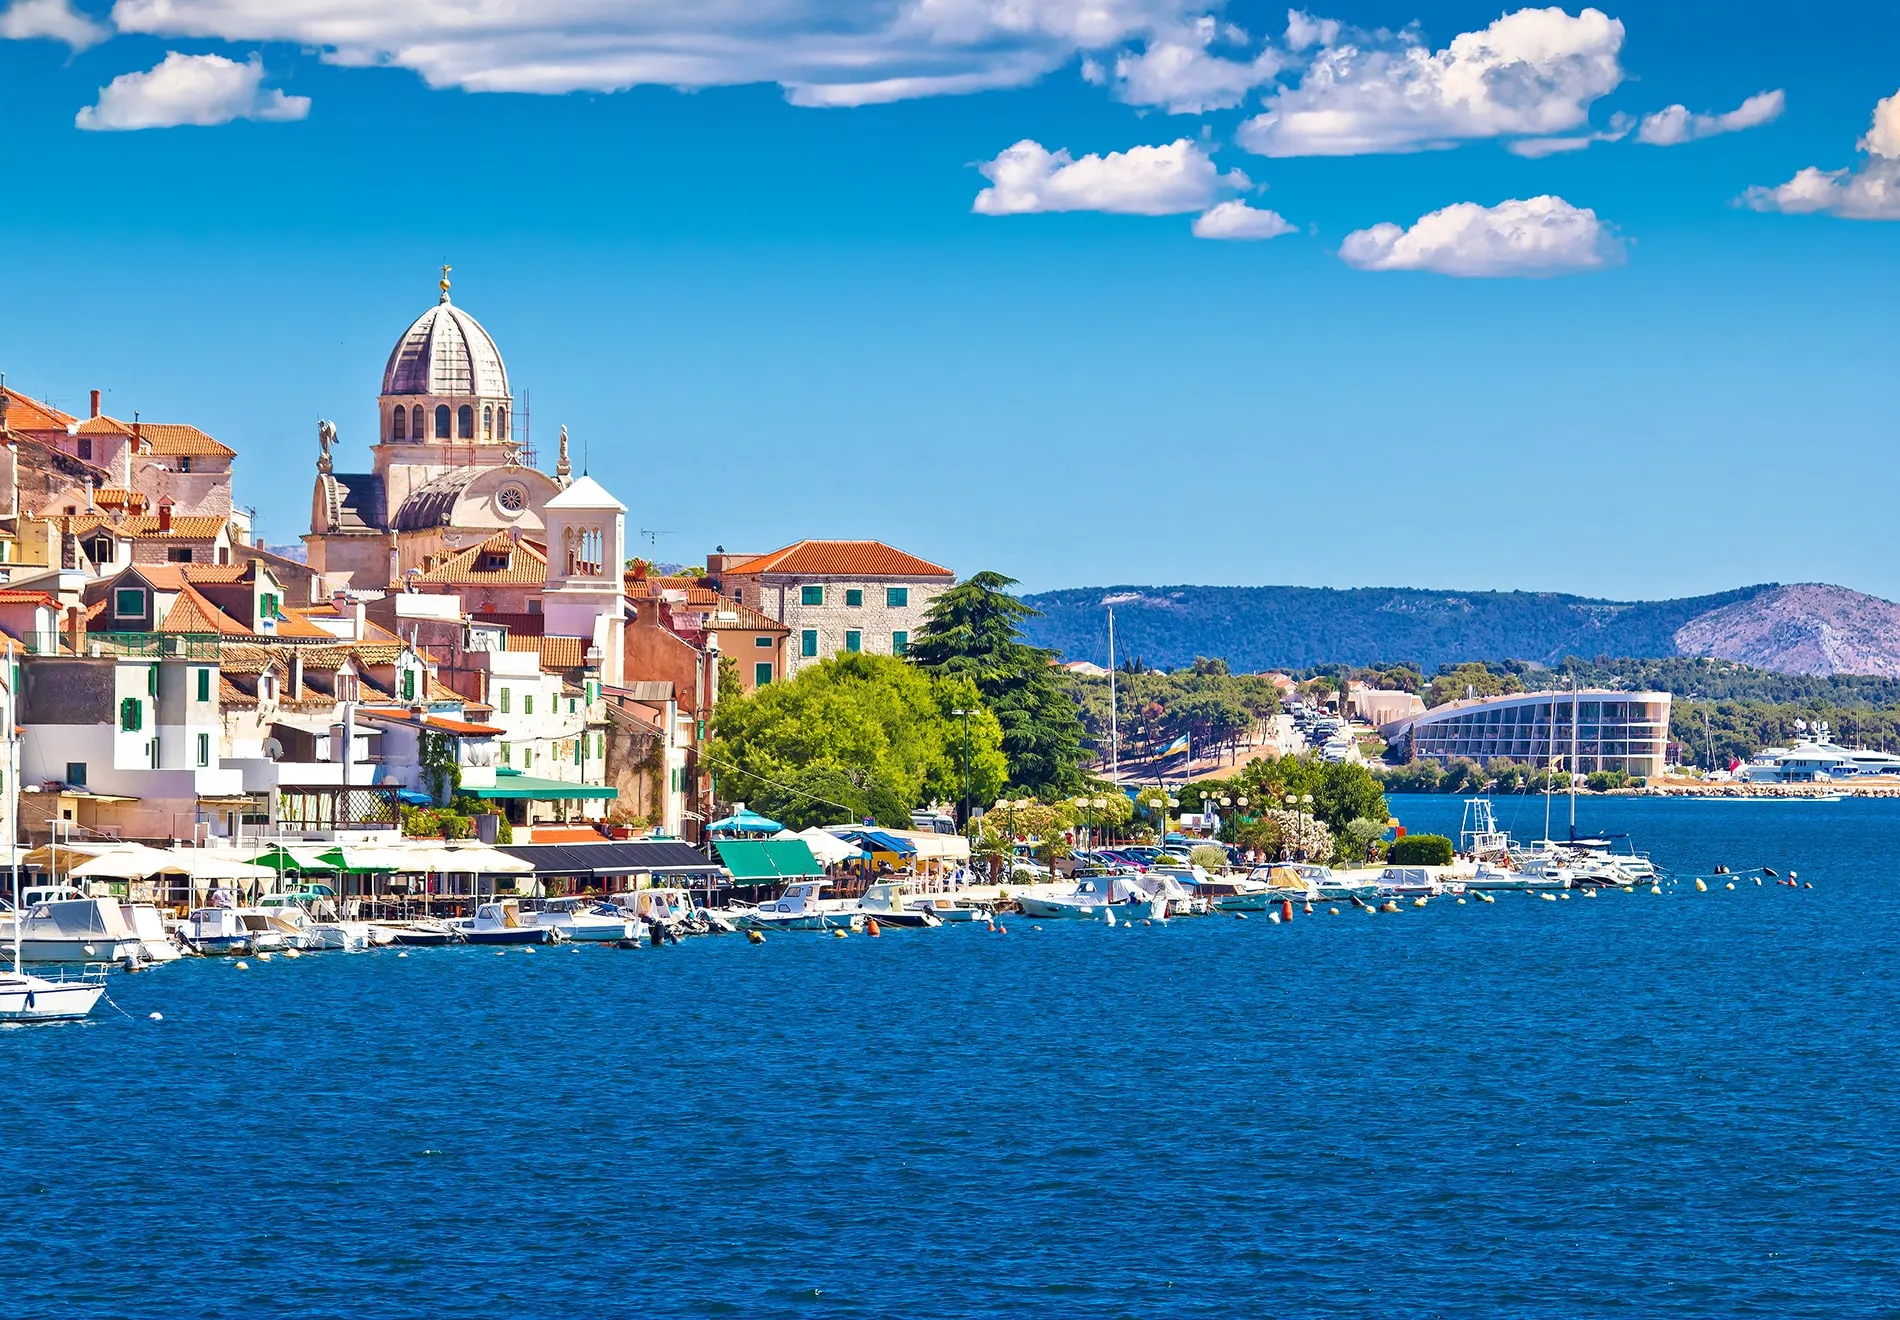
1421,850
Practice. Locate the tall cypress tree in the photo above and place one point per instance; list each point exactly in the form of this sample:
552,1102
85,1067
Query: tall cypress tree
974,631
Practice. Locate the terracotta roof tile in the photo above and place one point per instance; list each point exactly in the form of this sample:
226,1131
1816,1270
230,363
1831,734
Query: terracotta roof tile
104,425
839,559
556,652
110,497
10,597
179,439
144,527
24,414
294,624
527,565
192,613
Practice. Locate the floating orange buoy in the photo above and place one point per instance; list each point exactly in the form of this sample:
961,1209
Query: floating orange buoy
1286,909
1002,930
871,927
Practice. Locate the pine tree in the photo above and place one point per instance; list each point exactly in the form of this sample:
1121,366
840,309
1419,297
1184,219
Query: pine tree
974,632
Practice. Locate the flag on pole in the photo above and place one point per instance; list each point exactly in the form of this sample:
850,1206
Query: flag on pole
1178,745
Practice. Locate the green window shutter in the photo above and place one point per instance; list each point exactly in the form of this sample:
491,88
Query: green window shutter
811,595
852,640
507,754
408,685
761,673
204,685
900,643
151,680
527,705
131,715
897,597
854,596
808,643
504,701
761,642
580,749
204,749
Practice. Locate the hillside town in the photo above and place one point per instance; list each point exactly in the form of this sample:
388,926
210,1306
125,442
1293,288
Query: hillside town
459,621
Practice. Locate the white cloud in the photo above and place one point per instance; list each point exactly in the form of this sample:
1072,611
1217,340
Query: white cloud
1870,193
1532,72
1164,180
1176,71
1541,236
823,52
1303,30
1538,148
57,19
190,89
1676,124
1239,220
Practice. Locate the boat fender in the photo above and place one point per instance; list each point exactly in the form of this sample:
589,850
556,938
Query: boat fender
872,929
839,934
754,937
241,965
132,963
1700,887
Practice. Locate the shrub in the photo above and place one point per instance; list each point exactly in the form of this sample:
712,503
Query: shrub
1421,850
1208,857
1602,781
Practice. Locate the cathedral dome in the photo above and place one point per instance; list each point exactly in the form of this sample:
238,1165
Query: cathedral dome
446,352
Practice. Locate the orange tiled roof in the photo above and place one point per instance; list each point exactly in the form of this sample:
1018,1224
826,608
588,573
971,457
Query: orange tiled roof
173,577
294,624
556,652
189,527
178,438
839,559
104,425
11,597
24,414
527,566
110,497
192,613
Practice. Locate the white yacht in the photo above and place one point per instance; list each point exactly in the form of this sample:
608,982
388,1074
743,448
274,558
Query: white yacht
585,923
1816,758
26,998
895,903
1109,898
68,928
803,906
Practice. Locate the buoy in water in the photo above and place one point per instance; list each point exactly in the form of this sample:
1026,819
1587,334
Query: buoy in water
528,951
1309,909
1700,887
1461,902
1589,893
1334,911
1729,885
871,927
1419,901
1807,886
292,953
263,957
1548,898
1240,916
402,953
1035,928
1390,905
156,1017
1757,879
1286,909
839,934
755,937
1768,870
1564,897
1274,917
1002,929
241,965
1655,889
1791,877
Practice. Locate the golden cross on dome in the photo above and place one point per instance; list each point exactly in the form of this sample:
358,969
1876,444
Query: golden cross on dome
445,282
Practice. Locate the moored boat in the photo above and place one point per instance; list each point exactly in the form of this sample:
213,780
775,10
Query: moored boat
893,903
26,998
803,907
582,922
502,922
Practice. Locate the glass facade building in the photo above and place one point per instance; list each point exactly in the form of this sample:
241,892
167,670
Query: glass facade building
1581,731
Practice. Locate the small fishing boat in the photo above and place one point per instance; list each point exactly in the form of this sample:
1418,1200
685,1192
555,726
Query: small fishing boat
1413,882
1236,893
578,920
64,927
893,903
947,908
502,922
803,907
26,998
217,930
421,933
1109,898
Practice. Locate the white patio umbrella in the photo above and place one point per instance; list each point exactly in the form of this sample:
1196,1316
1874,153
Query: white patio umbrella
126,861
828,848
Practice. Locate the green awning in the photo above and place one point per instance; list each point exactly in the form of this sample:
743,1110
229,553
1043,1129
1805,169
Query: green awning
759,861
540,790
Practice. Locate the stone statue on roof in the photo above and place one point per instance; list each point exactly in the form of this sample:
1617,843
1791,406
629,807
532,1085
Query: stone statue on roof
326,437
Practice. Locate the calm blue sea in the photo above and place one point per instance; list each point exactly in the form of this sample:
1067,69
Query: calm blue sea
1635,1105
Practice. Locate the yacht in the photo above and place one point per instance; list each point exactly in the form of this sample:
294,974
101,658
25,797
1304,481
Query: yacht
26,998
61,926
1095,898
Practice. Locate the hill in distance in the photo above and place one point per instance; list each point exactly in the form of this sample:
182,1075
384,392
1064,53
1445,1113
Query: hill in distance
1809,628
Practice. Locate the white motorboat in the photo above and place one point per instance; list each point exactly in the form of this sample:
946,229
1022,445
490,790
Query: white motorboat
26,998
950,908
219,930
596,923
1332,886
422,932
894,903
1414,882
502,922
1109,898
155,941
75,929
803,907
307,919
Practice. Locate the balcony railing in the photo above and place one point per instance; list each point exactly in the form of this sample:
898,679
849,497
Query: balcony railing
130,645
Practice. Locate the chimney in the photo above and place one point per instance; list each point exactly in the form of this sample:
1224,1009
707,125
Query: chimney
76,628
165,514
296,674
95,403
91,507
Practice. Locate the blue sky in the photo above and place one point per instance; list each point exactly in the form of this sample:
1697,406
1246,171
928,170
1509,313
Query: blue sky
768,319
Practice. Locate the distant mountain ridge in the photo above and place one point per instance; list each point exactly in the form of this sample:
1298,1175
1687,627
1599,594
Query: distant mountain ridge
1807,628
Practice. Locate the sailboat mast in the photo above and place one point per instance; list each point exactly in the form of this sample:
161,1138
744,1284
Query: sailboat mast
1114,730
1573,757
13,825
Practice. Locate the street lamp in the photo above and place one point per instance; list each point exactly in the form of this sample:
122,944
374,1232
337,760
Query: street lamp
1098,806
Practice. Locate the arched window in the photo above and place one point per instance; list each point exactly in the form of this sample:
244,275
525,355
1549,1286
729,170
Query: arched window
488,423
415,423
442,421
465,422
501,424
398,428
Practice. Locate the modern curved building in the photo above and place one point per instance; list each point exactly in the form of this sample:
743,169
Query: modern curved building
1584,731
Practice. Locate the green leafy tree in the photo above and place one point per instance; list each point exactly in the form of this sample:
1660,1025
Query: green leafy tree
1458,681
859,735
975,633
